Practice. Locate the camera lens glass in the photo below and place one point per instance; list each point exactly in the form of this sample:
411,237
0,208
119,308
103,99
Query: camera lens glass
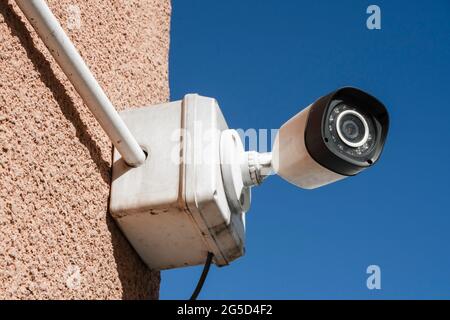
350,131
352,128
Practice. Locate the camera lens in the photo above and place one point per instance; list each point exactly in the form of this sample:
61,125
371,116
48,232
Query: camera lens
345,131
352,128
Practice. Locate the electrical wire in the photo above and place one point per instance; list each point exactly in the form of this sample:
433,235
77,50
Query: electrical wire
202,279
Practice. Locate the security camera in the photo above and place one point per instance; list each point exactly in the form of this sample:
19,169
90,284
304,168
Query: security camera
189,199
339,135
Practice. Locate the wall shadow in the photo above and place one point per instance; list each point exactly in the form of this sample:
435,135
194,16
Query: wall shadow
19,30
138,282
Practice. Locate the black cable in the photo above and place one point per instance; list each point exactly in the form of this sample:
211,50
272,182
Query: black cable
201,281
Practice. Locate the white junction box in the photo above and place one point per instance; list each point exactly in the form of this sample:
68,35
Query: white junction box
173,209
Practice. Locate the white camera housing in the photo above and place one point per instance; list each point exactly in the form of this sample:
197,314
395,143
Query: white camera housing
310,149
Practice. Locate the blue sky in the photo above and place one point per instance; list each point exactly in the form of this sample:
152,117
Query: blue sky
266,60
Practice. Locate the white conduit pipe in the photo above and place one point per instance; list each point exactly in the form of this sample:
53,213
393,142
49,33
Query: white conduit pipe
70,61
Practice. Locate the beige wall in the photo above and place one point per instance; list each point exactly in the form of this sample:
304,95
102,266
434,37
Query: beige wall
57,239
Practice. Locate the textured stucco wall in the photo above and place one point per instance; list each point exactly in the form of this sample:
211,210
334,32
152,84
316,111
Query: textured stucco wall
57,239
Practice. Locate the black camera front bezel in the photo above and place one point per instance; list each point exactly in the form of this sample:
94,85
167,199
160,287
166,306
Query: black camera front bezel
317,137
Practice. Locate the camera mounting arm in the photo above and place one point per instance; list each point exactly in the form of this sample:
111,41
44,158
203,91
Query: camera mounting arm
259,167
241,170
